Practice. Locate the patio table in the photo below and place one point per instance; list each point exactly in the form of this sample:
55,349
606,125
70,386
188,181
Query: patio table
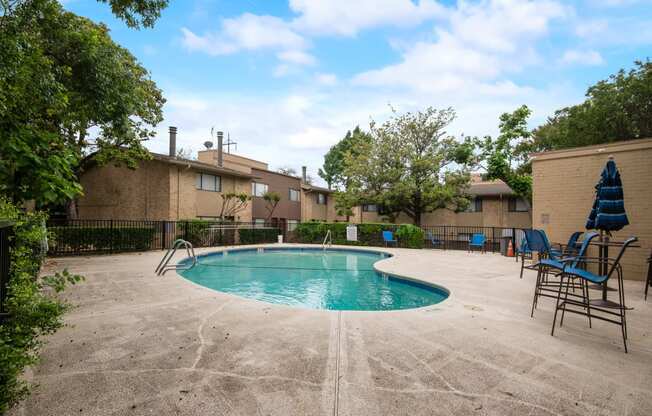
603,268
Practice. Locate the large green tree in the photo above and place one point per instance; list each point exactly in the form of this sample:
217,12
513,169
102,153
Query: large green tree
507,156
618,108
410,165
68,93
333,171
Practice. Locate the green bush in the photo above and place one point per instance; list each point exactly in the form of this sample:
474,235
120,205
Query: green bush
410,236
258,235
369,234
33,311
79,239
202,233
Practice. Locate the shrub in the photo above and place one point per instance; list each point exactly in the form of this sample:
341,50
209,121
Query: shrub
258,235
33,311
410,236
79,239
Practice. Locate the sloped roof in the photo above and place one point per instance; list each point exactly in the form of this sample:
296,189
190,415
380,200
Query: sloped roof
490,188
206,167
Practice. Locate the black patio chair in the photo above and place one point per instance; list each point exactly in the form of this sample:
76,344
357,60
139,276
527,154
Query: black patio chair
604,311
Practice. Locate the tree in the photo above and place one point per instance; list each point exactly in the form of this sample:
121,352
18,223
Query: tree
287,170
333,170
271,202
618,108
410,165
62,76
507,157
232,203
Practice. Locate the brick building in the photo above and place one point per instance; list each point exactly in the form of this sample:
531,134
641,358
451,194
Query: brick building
563,185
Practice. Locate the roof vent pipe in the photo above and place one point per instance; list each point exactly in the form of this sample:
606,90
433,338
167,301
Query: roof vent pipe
220,148
304,174
173,141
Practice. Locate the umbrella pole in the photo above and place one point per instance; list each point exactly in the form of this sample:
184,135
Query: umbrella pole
604,265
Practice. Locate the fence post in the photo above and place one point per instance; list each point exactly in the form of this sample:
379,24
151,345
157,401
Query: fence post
164,237
185,230
111,237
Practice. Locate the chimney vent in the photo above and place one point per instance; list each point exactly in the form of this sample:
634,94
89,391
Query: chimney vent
304,174
220,148
173,141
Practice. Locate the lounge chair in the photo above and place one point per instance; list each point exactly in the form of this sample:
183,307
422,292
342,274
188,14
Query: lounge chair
550,263
388,238
477,240
608,313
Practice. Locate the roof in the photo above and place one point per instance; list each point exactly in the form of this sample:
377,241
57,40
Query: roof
308,187
605,148
206,167
489,188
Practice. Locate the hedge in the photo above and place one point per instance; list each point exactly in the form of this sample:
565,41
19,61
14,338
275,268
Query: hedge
369,234
258,235
80,239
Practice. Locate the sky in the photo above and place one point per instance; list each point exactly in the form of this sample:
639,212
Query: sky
287,79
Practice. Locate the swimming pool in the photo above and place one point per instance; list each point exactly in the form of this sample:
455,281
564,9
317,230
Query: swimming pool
334,279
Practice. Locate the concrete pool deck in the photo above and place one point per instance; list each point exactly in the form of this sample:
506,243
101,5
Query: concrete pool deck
140,344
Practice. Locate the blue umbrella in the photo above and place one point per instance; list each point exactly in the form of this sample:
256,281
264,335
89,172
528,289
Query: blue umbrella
608,213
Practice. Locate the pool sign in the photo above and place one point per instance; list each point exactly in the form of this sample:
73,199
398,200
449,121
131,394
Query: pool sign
352,233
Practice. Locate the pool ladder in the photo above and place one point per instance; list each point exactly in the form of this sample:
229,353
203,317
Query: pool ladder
163,265
328,238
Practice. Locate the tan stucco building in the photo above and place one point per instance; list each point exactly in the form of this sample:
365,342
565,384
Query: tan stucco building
563,188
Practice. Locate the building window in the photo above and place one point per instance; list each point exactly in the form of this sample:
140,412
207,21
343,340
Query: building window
207,182
518,205
259,222
321,199
370,208
475,205
258,189
292,225
294,195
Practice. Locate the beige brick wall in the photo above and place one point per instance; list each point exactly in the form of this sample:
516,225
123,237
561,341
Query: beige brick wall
154,191
564,192
119,193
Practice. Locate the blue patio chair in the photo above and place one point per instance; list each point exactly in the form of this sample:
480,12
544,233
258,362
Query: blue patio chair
548,286
435,241
388,238
524,251
605,311
477,240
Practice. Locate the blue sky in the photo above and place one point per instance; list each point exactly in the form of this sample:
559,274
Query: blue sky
286,79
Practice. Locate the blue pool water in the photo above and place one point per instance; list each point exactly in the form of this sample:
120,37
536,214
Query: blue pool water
311,278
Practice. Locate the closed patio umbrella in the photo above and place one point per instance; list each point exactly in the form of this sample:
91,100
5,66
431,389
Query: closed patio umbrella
608,212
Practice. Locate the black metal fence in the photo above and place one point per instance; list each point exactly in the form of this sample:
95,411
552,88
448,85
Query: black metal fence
5,263
453,237
75,237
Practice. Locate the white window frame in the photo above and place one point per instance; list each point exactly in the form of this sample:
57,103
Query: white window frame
319,199
259,189
367,207
292,224
298,195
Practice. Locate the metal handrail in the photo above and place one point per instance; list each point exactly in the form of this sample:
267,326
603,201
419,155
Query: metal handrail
328,238
163,267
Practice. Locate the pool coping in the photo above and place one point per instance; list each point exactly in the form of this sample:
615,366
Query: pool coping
315,247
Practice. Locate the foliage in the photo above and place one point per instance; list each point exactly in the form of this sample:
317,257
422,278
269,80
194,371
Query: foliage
369,234
333,171
62,76
410,235
137,13
80,239
409,165
345,202
233,203
271,202
507,156
33,311
618,108
258,235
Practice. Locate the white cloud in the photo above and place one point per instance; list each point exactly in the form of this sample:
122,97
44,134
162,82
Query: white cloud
485,41
347,18
589,28
326,79
582,57
245,32
296,57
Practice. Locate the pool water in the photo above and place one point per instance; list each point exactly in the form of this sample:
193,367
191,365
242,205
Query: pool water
311,278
